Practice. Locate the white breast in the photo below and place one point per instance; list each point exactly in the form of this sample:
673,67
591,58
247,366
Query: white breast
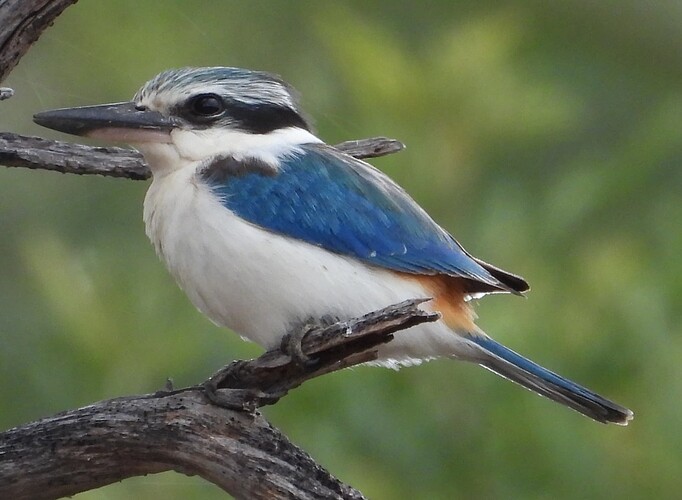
260,284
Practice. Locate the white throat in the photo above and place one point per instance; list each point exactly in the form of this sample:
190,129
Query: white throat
188,147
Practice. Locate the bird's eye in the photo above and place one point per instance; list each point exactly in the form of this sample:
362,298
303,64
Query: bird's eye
206,105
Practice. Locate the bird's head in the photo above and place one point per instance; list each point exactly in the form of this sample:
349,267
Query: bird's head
186,115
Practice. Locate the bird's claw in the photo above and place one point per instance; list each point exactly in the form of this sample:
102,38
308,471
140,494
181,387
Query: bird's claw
292,343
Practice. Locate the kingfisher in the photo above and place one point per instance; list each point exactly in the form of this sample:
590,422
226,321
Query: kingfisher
265,226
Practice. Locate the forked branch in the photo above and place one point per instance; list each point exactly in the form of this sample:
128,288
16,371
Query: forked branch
182,430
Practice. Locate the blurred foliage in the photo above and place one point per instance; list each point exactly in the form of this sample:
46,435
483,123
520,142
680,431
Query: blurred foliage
547,136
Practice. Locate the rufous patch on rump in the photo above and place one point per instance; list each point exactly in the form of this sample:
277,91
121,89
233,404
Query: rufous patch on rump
448,295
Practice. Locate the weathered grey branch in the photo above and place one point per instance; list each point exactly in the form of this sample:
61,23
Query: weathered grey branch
109,441
21,23
370,148
69,158
331,348
65,157
37,153
182,430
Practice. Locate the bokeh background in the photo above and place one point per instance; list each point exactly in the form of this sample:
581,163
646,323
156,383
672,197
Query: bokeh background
546,136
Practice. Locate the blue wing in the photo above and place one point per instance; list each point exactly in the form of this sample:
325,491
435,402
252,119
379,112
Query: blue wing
324,197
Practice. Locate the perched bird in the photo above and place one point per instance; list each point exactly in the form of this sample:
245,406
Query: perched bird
264,226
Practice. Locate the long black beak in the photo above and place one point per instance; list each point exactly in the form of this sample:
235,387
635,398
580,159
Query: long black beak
120,121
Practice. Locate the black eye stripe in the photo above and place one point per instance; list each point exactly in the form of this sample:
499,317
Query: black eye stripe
264,118
210,110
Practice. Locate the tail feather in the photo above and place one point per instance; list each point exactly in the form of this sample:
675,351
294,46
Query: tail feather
516,368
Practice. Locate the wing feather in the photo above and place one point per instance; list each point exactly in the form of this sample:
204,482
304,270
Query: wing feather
324,197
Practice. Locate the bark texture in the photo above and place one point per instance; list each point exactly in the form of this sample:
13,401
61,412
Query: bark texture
212,430
69,158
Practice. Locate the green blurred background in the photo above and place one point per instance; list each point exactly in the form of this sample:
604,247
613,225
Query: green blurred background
546,136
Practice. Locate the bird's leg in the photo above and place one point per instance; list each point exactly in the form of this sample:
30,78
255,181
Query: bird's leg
292,343
223,388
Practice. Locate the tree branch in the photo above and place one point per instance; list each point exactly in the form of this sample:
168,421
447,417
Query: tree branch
181,430
69,158
21,23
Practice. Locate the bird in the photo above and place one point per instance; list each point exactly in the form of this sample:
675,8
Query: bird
265,226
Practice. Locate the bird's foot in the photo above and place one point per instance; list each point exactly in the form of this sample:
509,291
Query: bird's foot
292,343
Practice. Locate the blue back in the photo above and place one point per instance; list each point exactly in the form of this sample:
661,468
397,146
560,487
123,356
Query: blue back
326,198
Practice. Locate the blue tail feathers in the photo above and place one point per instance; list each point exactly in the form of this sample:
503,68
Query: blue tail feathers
516,368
